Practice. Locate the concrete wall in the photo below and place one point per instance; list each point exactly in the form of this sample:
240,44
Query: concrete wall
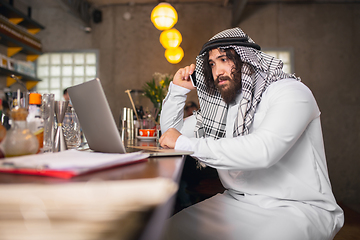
324,38
130,51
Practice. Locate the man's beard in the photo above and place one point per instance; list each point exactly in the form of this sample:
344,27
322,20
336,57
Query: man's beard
230,90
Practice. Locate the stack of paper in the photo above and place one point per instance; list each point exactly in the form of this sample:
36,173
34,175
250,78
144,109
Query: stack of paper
67,164
89,210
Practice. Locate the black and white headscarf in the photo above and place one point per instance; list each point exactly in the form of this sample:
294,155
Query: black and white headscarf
257,74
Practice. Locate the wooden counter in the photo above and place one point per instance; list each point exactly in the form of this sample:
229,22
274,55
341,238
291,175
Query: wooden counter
165,167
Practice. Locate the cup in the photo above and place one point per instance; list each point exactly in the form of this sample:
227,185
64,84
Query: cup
127,122
147,123
71,129
147,132
130,118
47,113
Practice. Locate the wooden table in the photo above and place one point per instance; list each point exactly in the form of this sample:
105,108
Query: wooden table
166,167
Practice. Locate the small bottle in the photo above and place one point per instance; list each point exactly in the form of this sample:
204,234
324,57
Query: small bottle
2,128
2,131
19,139
34,120
17,99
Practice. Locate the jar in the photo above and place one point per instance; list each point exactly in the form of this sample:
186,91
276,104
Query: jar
19,139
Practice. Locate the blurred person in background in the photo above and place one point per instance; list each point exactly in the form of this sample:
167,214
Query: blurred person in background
190,107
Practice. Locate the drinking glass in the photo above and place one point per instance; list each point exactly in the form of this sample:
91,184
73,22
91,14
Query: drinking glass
71,129
47,111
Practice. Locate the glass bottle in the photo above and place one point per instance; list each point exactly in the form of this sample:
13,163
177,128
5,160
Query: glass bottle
17,99
2,128
2,131
19,139
35,121
47,112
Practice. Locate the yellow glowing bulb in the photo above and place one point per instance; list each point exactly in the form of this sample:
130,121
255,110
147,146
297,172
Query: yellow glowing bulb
174,55
164,16
170,38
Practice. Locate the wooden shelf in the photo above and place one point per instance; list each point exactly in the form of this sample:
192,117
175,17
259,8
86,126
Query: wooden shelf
13,43
12,13
23,77
17,34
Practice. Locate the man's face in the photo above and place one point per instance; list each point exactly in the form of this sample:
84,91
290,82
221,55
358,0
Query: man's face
222,68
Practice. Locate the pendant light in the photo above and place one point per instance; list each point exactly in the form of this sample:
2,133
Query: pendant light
174,55
170,38
164,16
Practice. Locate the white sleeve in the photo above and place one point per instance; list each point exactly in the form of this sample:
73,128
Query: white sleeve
290,110
189,126
183,143
172,112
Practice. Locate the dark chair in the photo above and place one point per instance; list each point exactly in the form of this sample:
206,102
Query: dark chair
197,184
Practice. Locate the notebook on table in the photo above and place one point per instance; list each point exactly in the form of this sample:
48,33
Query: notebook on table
98,124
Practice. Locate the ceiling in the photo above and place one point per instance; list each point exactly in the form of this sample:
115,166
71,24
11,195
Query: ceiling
107,2
97,3
237,5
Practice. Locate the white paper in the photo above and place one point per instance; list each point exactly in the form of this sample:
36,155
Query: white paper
72,159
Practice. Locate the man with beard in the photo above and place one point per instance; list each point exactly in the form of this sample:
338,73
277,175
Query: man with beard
260,128
229,86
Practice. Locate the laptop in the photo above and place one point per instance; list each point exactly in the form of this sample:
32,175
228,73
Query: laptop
98,124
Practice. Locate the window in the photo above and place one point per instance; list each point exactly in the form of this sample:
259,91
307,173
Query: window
61,70
286,55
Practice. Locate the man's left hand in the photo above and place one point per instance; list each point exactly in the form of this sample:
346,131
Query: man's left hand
168,139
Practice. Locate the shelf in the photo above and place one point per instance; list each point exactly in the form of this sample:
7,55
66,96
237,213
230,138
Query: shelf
15,15
13,43
24,77
17,34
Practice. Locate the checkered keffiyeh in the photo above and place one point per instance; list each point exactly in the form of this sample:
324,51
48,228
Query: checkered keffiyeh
211,118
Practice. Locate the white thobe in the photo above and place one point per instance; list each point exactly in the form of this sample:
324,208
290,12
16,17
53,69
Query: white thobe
276,176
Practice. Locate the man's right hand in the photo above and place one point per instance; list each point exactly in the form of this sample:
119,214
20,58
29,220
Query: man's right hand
182,77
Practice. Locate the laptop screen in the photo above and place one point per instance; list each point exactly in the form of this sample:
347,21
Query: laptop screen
96,119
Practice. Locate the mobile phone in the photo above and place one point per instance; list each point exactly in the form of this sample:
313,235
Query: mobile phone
193,79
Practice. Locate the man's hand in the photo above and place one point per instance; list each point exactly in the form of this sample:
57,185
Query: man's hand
168,139
182,78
